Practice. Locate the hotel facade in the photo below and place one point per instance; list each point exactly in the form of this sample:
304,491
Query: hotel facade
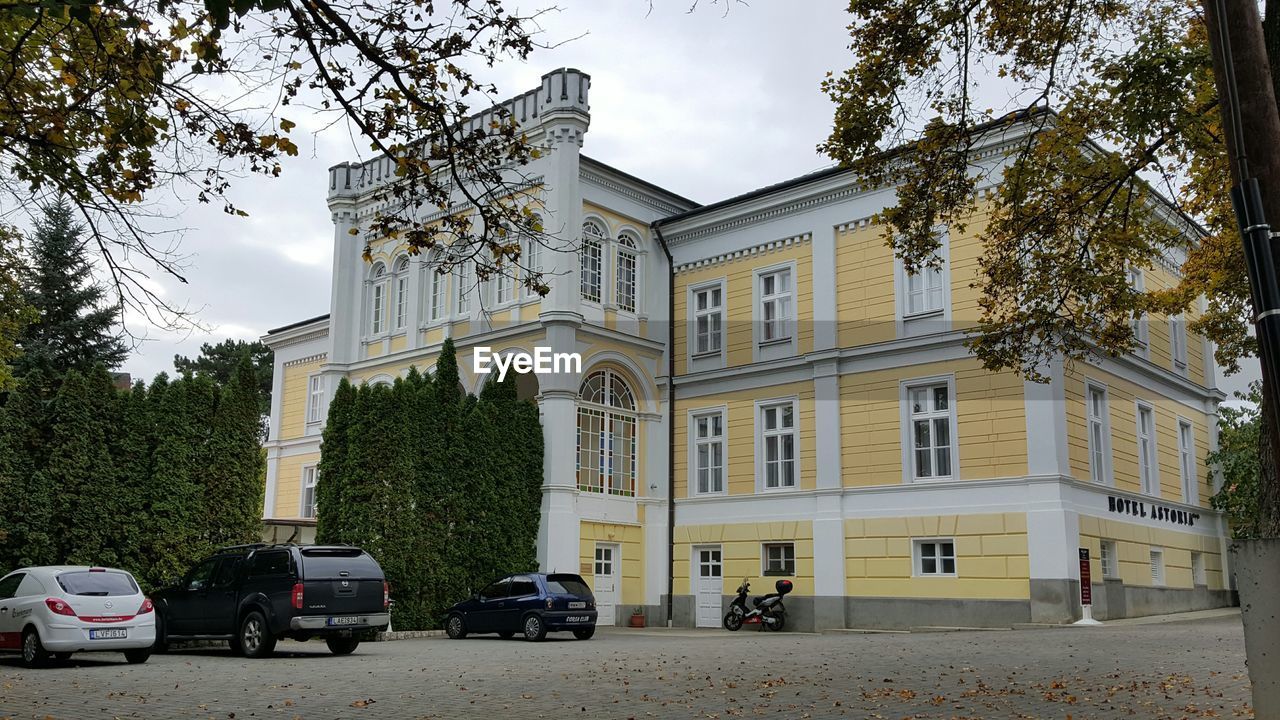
765,392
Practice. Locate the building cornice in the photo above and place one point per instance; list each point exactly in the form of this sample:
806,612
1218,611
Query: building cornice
748,252
599,176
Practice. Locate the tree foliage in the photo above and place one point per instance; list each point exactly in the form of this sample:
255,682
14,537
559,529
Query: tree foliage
221,361
107,103
76,328
15,313
444,491
1239,431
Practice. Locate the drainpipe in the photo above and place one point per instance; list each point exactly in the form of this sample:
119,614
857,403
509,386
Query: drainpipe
671,425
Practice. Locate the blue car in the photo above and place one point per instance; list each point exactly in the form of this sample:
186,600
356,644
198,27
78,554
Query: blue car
530,603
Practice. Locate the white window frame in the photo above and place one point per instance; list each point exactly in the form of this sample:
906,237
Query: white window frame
593,248
464,274
315,399
1103,475
1108,560
907,437
783,545
377,307
717,562
783,322
1148,467
1187,462
400,301
931,319
1141,329
310,475
1178,343
917,557
717,312
438,300
762,436
1198,574
533,254
631,253
1158,573
696,442
503,287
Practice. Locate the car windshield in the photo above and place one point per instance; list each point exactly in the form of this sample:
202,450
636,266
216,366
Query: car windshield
568,585
332,562
97,582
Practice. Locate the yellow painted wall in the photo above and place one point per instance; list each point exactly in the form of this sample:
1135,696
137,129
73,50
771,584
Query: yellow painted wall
1161,349
991,556
293,398
990,413
739,278
740,436
1133,548
743,555
864,287
630,539
289,484
1121,400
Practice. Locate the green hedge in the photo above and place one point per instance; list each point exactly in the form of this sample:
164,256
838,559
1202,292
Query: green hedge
444,490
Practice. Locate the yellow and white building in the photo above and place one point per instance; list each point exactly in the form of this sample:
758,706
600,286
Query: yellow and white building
765,392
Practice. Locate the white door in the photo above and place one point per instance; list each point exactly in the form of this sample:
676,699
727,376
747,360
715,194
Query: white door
708,584
608,568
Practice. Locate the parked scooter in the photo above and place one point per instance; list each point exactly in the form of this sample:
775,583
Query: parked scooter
768,611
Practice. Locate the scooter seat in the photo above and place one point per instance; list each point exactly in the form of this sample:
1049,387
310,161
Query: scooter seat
757,600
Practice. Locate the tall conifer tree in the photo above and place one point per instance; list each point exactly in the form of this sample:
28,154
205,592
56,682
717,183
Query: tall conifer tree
332,475
26,535
81,473
232,487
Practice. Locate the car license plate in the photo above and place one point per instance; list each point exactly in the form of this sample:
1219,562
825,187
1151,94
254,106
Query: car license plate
111,634
577,605
351,620
576,618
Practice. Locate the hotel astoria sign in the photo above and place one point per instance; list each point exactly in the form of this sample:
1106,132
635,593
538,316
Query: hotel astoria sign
1140,508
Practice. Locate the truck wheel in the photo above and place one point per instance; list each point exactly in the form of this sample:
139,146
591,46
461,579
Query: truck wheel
256,640
162,643
534,629
455,627
342,645
138,656
33,653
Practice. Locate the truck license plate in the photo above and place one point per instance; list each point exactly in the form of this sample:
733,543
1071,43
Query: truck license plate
110,634
351,620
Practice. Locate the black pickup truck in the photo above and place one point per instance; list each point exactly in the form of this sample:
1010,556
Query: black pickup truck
255,595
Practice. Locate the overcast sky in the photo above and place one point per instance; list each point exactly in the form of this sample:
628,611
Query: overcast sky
707,104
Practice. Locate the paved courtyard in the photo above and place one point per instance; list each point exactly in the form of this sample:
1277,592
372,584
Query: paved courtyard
1189,669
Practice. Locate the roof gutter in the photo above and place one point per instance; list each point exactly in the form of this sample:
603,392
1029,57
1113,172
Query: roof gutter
671,425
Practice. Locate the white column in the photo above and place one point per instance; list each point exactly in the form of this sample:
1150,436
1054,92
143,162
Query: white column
1053,543
828,522
558,408
825,332
1045,409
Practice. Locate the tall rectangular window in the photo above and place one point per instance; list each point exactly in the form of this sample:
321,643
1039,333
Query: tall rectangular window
402,302
626,280
378,308
777,437
1178,342
315,399
1198,575
1107,558
1147,472
708,449
309,491
779,559
1157,567
935,557
439,294
924,291
1099,434
775,306
931,431
708,320
1139,321
533,262
1187,462
503,285
464,287
591,270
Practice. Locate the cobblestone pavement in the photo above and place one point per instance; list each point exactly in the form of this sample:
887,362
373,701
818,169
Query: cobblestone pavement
1189,669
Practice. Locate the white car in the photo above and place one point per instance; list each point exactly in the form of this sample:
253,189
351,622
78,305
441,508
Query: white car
67,609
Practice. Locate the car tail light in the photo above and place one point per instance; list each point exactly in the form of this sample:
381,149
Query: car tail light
146,606
386,595
97,569
297,596
59,607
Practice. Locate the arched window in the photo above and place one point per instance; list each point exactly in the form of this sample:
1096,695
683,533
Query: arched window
400,317
592,266
606,435
626,286
378,299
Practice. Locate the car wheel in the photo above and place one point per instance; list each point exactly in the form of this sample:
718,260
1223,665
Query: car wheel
584,633
162,643
138,656
33,653
506,634
342,645
256,640
455,627
534,628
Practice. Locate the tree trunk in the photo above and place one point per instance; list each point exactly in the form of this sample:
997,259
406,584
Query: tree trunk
1260,143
